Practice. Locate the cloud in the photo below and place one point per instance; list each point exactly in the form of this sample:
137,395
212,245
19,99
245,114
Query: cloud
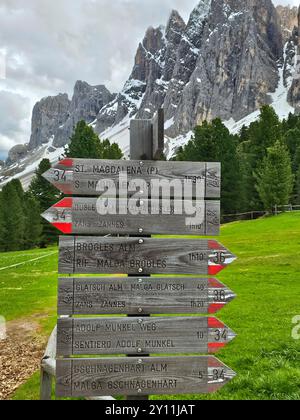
286,2
52,44
14,120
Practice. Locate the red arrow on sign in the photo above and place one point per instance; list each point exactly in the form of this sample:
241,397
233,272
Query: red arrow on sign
60,215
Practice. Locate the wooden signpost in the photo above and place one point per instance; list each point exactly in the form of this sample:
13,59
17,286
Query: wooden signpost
138,296
142,376
81,336
134,295
82,176
81,216
84,255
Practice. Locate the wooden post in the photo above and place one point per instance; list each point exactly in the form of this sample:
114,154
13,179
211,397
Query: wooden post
46,385
46,374
141,145
141,148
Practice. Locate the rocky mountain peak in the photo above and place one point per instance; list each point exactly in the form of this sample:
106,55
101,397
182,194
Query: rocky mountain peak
294,93
147,53
83,92
17,153
153,40
269,27
86,103
223,63
175,26
200,11
83,88
47,116
197,17
80,86
236,65
288,20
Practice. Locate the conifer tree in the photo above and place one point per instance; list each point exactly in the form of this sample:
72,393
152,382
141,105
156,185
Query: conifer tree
212,142
43,190
109,150
296,172
12,218
265,132
46,195
297,188
261,135
86,144
275,178
292,141
3,230
33,222
16,183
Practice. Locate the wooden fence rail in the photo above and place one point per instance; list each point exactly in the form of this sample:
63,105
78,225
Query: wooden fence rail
287,208
251,215
256,214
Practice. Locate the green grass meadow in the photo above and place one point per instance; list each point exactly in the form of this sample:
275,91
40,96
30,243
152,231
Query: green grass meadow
266,279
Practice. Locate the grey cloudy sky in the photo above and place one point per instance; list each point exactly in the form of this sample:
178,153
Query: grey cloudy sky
49,44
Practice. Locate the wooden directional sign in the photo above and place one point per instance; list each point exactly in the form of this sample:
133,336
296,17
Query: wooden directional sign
114,295
94,216
82,336
141,376
92,255
82,176
139,198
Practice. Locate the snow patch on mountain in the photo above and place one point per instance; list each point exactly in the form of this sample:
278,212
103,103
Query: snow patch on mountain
120,134
25,168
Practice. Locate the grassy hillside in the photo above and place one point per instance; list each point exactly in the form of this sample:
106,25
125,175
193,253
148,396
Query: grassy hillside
28,283
266,279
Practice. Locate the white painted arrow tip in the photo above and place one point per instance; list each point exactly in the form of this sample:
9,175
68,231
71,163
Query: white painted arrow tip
231,335
46,175
46,215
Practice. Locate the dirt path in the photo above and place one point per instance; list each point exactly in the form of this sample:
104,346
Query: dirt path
20,354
